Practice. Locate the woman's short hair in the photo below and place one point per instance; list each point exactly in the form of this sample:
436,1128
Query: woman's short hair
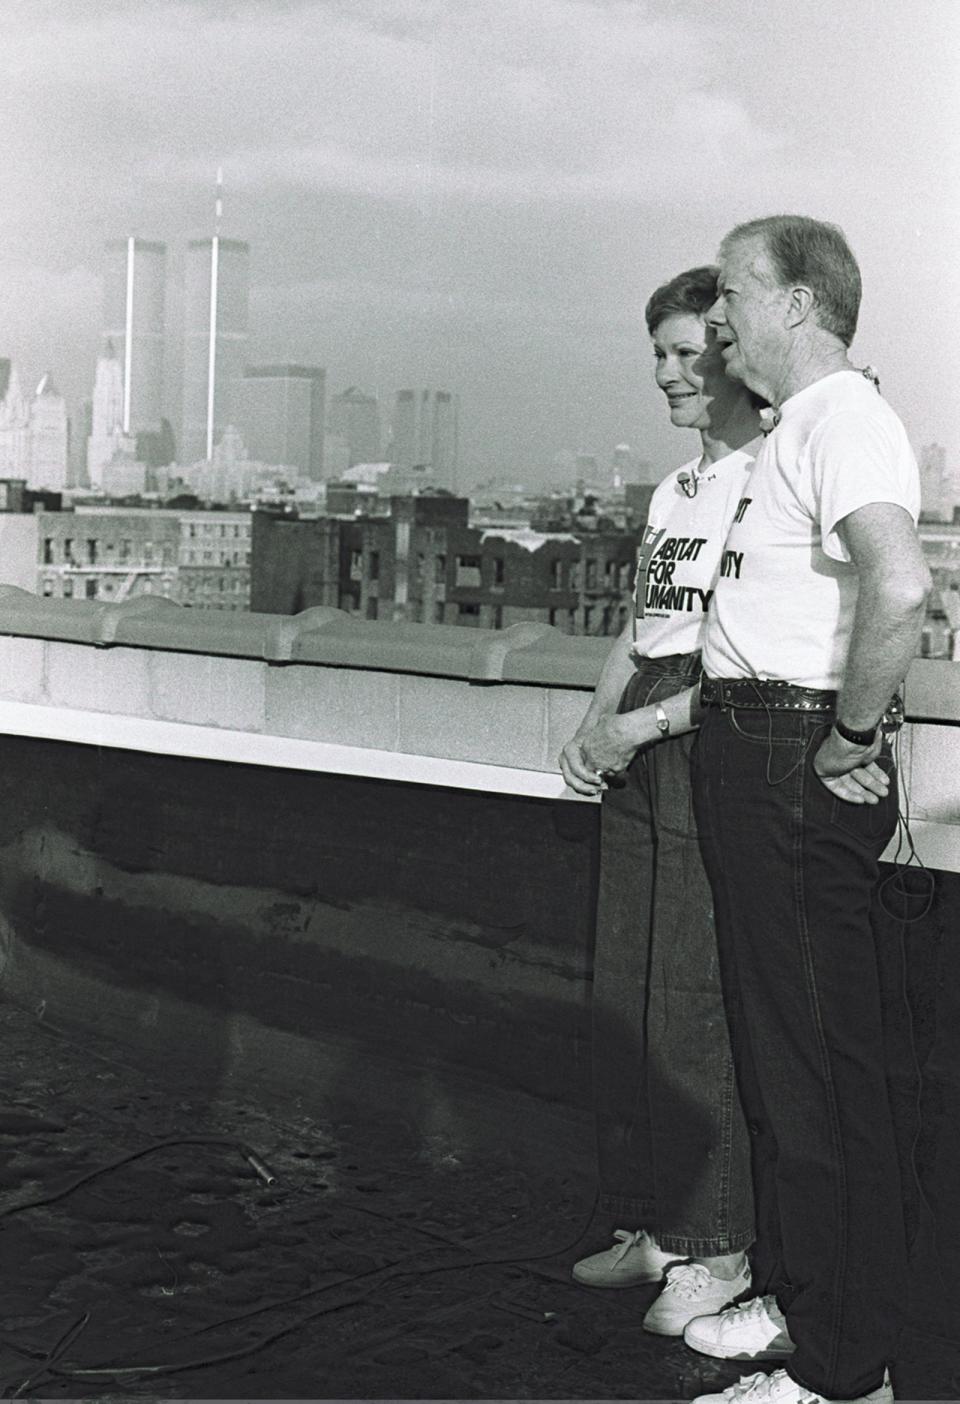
808,251
688,294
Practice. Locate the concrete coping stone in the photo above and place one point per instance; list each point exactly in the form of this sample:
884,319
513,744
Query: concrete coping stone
527,653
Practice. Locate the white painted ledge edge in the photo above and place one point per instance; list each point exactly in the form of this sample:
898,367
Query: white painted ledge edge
257,748
938,844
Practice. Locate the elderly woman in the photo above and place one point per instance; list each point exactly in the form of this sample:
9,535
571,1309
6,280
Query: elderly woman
673,1148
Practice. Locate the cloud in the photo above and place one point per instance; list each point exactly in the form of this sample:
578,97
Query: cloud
512,100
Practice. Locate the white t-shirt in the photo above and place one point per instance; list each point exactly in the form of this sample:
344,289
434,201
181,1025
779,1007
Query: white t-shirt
678,559
784,604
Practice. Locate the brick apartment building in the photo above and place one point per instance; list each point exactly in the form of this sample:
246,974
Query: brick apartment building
198,558
424,563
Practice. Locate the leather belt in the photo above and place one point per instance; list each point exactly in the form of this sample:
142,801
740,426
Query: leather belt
765,694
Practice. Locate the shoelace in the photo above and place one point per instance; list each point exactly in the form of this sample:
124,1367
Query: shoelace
627,1238
687,1279
752,1310
761,1386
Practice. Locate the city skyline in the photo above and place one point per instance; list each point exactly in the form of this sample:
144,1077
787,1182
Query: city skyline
481,196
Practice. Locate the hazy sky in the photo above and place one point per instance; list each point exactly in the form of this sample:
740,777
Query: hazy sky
481,194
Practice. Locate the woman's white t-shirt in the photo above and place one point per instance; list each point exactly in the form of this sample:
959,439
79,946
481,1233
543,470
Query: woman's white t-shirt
678,560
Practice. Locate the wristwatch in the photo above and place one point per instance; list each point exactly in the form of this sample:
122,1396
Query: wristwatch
663,721
856,738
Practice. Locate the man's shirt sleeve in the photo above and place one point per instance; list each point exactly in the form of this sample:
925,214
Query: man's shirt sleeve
858,459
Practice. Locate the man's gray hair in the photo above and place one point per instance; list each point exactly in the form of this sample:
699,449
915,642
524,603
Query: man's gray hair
808,251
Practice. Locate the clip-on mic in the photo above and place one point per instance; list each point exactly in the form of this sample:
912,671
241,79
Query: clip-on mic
688,483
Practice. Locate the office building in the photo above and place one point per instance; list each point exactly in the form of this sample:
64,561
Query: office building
425,436
215,341
354,418
107,438
281,417
14,424
49,438
933,470
133,326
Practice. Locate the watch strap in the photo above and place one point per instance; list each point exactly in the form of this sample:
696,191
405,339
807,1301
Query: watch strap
856,738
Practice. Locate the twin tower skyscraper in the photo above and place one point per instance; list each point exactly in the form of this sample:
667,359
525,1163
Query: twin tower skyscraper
215,332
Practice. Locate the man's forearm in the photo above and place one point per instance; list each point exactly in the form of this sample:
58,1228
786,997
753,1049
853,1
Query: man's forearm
886,630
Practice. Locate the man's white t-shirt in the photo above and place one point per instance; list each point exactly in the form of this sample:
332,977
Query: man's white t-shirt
784,604
679,556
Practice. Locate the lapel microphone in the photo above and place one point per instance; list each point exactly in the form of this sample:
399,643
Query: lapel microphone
688,483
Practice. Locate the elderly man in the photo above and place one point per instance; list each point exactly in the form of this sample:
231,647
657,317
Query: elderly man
811,629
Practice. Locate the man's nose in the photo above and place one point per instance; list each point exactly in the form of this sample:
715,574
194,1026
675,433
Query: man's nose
716,316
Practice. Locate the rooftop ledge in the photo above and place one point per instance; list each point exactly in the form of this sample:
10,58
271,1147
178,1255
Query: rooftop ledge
323,690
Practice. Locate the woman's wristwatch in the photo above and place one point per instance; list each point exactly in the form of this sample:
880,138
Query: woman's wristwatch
663,721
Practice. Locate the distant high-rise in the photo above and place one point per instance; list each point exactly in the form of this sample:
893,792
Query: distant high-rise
215,341
933,469
425,434
281,416
133,326
49,438
107,436
355,417
14,424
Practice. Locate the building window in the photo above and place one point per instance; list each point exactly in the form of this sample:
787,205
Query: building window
468,572
591,575
91,589
499,570
372,606
498,616
468,614
440,569
556,574
48,550
374,568
91,551
68,589
68,550
576,575
126,547
438,612
47,588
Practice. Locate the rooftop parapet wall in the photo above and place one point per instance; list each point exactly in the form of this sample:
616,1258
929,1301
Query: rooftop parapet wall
327,691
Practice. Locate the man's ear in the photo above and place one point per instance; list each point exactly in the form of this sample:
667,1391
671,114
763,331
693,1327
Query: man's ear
800,305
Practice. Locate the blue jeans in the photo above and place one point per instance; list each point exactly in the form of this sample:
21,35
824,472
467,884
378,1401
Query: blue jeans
674,1152
794,871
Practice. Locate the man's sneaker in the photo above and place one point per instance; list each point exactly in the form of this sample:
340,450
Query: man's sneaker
779,1388
692,1290
755,1330
633,1258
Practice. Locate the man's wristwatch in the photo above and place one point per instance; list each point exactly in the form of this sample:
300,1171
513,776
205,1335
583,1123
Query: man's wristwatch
663,721
856,738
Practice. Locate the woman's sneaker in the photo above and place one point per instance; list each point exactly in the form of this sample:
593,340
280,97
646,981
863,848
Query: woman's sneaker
779,1388
755,1330
691,1291
633,1258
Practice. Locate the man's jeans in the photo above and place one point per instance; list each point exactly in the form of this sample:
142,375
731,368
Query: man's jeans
793,871
674,1152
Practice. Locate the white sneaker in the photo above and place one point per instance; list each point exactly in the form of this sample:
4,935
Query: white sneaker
692,1290
633,1258
779,1388
755,1330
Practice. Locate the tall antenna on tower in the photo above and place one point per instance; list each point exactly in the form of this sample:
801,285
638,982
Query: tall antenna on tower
214,291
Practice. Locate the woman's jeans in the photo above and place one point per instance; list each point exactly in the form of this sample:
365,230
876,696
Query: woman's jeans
794,870
674,1152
